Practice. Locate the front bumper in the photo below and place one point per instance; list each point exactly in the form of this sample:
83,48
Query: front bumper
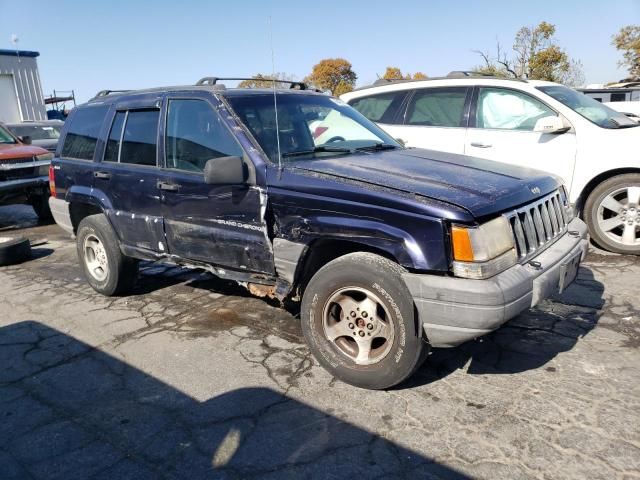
455,310
20,188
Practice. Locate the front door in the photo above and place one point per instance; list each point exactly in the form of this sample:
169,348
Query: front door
502,130
129,175
222,225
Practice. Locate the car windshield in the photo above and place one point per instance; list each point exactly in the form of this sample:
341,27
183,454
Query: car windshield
589,108
37,132
309,126
6,137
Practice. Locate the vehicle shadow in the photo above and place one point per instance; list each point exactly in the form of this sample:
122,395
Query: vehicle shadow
72,411
527,342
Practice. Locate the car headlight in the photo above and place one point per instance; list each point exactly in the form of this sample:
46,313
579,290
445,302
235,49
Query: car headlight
44,169
568,208
484,251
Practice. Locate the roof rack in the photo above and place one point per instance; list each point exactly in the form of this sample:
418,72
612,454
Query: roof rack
104,93
214,80
454,74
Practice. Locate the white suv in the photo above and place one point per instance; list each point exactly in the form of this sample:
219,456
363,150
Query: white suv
543,125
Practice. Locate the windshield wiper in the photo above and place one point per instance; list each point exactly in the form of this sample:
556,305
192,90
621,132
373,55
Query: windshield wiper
318,149
378,146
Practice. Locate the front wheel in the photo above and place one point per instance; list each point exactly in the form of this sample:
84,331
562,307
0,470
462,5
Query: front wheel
612,212
358,319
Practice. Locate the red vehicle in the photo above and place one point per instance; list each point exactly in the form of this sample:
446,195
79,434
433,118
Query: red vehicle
24,173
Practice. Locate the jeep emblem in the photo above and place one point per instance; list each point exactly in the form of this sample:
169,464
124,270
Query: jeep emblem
535,190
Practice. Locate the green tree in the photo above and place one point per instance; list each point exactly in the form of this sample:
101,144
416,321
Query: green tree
627,40
536,55
333,74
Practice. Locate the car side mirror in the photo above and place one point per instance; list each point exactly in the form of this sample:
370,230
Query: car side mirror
225,171
552,124
26,139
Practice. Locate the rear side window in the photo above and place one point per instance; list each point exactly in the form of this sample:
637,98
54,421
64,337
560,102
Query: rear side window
83,133
115,135
380,108
139,139
437,107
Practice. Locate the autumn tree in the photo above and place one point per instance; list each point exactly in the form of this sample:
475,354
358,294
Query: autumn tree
394,73
536,55
333,74
627,40
266,81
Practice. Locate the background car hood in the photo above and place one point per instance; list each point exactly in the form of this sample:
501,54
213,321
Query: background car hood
13,151
483,187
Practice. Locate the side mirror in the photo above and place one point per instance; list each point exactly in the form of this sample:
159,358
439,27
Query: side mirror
552,124
26,139
225,171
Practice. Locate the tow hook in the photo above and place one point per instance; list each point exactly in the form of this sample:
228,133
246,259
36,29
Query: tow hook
535,264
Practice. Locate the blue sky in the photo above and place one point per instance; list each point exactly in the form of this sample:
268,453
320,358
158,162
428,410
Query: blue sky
91,45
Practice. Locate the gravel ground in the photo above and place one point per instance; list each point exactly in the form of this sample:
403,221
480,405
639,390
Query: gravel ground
191,377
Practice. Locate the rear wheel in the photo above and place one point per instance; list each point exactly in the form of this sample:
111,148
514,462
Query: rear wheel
106,269
358,319
612,212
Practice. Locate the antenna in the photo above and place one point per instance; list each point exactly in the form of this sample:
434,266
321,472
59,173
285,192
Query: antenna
275,99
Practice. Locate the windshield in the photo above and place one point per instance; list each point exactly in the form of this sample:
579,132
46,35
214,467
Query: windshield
589,108
5,137
37,132
311,126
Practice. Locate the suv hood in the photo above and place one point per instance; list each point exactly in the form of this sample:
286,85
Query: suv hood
483,187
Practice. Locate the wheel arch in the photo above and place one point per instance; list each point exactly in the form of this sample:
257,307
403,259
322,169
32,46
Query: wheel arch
597,180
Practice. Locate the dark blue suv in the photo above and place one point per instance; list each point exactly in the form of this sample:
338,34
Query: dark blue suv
296,195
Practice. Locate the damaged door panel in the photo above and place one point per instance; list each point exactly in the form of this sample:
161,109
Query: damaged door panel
222,224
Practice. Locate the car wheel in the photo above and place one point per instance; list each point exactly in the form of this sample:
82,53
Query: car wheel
40,205
612,212
14,250
106,269
358,319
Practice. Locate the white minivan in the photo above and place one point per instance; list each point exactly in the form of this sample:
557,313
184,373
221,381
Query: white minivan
542,125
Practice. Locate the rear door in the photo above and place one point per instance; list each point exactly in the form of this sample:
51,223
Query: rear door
436,118
501,129
129,174
218,224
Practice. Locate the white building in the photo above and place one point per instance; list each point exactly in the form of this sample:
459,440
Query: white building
20,89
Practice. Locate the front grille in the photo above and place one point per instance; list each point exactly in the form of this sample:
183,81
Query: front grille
537,225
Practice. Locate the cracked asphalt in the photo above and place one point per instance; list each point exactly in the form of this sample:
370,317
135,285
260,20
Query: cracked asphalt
192,377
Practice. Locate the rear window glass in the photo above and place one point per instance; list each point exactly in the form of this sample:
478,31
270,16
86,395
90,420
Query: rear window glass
83,132
438,107
379,108
140,136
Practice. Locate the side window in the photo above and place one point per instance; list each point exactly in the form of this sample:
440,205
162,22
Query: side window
139,137
113,144
380,108
81,138
437,107
618,97
509,110
195,134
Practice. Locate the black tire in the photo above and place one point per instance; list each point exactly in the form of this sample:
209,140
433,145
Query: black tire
40,204
14,250
120,273
593,209
382,278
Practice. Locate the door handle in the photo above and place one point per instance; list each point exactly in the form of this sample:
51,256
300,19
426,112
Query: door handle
171,187
481,145
103,175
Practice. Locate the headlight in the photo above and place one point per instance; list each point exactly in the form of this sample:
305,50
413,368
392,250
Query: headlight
483,251
44,169
568,208
44,156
